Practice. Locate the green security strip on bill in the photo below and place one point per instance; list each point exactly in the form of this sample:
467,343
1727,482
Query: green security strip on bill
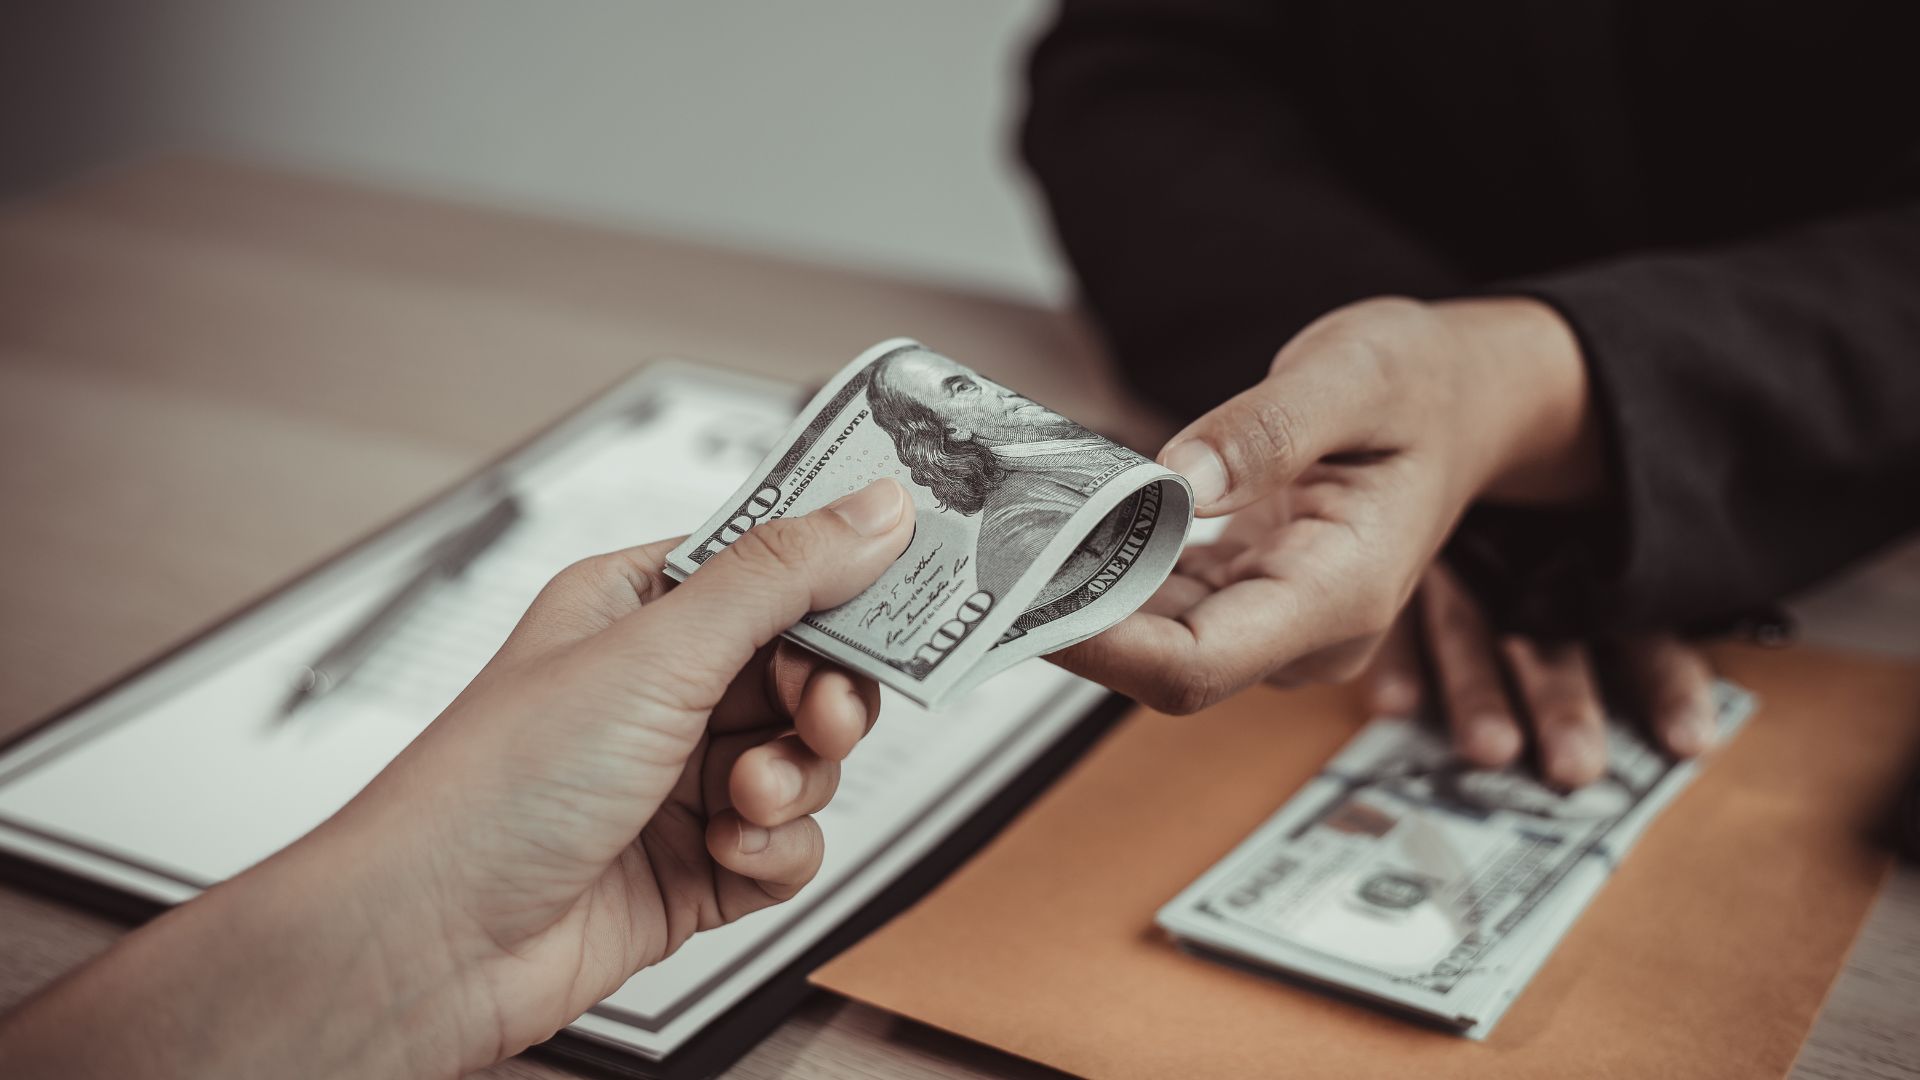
1401,876
1031,532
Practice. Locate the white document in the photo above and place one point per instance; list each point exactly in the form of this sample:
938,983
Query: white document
184,775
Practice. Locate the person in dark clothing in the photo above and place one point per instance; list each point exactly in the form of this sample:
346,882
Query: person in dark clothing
1655,361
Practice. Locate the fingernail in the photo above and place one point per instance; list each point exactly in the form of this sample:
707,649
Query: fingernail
1196,461
1705,731
1692,735
1579,759
873,510
1683,740
786,779
1492,739
1395,696
753,838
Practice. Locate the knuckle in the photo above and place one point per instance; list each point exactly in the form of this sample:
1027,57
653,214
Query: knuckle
1263,435
580,574
616,581
1188,692
1364,357
1365,338
1367,319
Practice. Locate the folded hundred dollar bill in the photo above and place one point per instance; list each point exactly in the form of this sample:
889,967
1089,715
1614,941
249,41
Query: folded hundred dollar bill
1404,877
1031,532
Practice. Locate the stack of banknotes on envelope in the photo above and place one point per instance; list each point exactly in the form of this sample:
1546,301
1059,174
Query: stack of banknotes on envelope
1402,877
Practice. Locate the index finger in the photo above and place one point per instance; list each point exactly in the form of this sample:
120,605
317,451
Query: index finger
587,597
1320,397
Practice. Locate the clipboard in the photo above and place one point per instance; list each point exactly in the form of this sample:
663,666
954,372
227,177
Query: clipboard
118,880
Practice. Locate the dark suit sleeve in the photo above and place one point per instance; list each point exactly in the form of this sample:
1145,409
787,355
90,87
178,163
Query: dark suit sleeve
1203,226
1763,407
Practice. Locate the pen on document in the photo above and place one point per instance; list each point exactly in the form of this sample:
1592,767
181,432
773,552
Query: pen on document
338,663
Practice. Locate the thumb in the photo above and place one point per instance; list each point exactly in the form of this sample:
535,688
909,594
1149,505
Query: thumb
696,639
1312,404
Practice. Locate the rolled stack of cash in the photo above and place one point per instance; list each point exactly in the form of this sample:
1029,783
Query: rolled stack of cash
1031,532
1400,876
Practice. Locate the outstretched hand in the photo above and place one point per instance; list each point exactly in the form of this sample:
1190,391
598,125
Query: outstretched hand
1346,469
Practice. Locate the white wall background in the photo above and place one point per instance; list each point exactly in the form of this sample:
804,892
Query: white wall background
874,133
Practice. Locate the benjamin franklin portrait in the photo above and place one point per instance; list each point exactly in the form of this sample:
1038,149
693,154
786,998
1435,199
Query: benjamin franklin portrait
982,449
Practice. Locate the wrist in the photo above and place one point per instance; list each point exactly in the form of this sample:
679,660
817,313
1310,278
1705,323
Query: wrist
413,988
341,970
287,970
1542,437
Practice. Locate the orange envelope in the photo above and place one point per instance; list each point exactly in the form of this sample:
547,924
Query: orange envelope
1707,955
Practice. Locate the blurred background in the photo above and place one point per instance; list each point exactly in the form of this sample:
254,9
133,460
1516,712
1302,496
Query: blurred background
870,134
866,133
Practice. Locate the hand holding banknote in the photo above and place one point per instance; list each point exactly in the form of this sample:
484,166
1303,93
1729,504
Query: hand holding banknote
1032,532
1345,470
637,764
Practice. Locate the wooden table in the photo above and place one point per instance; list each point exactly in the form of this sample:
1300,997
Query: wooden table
212,376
